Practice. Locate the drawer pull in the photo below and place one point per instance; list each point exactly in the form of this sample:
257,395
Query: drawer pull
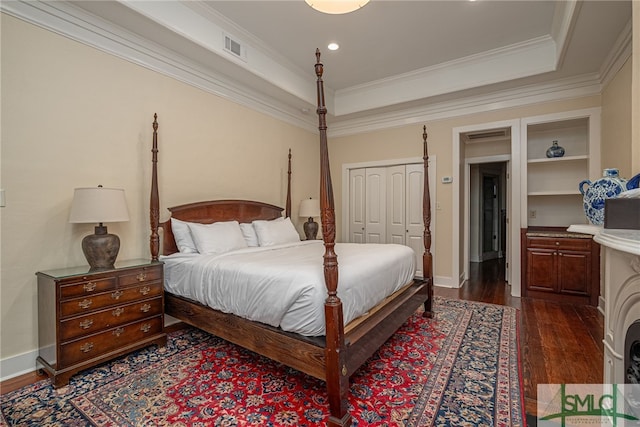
85,303
145,290
89,287
145,328
145,308
141,277
86,324
116,294
557,243
86,347
118,331
117,312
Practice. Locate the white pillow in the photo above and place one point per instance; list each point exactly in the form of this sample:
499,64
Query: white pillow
249,234
275,232
182,236
217,238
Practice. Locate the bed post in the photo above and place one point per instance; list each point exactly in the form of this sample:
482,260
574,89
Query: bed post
154,205
287,208
335,351
427,259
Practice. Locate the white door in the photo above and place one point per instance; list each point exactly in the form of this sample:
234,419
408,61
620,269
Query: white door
414,220
356,205
396,208
375,214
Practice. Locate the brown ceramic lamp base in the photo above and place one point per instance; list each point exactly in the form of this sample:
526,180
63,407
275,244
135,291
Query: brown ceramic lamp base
310,229
101,249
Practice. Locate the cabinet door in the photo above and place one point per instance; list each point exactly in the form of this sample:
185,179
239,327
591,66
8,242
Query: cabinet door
356,205
541,270
574,272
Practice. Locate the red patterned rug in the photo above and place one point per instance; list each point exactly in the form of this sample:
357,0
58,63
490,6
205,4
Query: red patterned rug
459,369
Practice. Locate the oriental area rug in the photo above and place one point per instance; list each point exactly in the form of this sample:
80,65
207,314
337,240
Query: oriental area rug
460,368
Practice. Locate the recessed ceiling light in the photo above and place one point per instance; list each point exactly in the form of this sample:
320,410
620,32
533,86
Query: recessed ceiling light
333,46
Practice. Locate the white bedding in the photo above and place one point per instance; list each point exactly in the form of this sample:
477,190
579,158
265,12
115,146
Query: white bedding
284,285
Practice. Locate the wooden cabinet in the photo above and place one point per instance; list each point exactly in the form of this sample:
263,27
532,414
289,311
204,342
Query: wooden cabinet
88,317
561,266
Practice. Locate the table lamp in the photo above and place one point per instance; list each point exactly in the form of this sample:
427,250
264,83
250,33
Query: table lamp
308,209
99,205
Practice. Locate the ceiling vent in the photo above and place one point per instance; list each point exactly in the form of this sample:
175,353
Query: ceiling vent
488,135
234,47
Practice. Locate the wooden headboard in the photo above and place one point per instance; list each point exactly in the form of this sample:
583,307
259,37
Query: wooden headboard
209,212
215,211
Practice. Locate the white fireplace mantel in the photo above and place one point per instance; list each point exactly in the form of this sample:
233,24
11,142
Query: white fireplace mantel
620,273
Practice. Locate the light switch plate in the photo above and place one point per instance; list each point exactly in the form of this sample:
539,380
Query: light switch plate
2,199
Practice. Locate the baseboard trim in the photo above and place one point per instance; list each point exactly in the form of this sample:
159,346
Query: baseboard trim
20,364
444,282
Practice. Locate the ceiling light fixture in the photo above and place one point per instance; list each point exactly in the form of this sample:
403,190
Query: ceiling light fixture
333,46
336,6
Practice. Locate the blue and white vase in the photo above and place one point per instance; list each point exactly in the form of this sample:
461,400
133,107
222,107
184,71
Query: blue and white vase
595,193
555,150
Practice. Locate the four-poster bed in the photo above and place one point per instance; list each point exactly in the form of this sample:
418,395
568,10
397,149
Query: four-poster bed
334,356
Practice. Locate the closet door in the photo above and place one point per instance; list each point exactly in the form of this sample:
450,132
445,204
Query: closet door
414,182
396,205
375,214
357,205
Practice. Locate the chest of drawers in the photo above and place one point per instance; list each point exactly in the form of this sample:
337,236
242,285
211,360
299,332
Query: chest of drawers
88,317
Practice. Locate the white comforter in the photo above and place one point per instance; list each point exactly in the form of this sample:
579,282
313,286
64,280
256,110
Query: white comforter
284,285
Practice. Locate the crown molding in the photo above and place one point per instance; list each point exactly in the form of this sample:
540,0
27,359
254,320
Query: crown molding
204,26
77,24
498,65
564,20
570,88
618,55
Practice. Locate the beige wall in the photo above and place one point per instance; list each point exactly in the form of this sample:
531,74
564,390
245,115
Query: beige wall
406,142
74,116
616,119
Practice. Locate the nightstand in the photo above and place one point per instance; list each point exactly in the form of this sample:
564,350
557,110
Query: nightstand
88,317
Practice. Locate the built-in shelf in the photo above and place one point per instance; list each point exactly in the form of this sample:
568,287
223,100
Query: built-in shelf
558,159
551,197
554,193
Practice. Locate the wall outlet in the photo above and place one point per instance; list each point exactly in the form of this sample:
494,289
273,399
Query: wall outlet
532,213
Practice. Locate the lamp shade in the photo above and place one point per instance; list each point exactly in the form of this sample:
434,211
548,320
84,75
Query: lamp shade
336,6
309,208
98,204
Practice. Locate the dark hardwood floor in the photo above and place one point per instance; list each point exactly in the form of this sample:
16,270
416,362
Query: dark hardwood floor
559,343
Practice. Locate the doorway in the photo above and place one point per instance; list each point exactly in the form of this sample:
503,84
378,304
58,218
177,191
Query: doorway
493,211
475,144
